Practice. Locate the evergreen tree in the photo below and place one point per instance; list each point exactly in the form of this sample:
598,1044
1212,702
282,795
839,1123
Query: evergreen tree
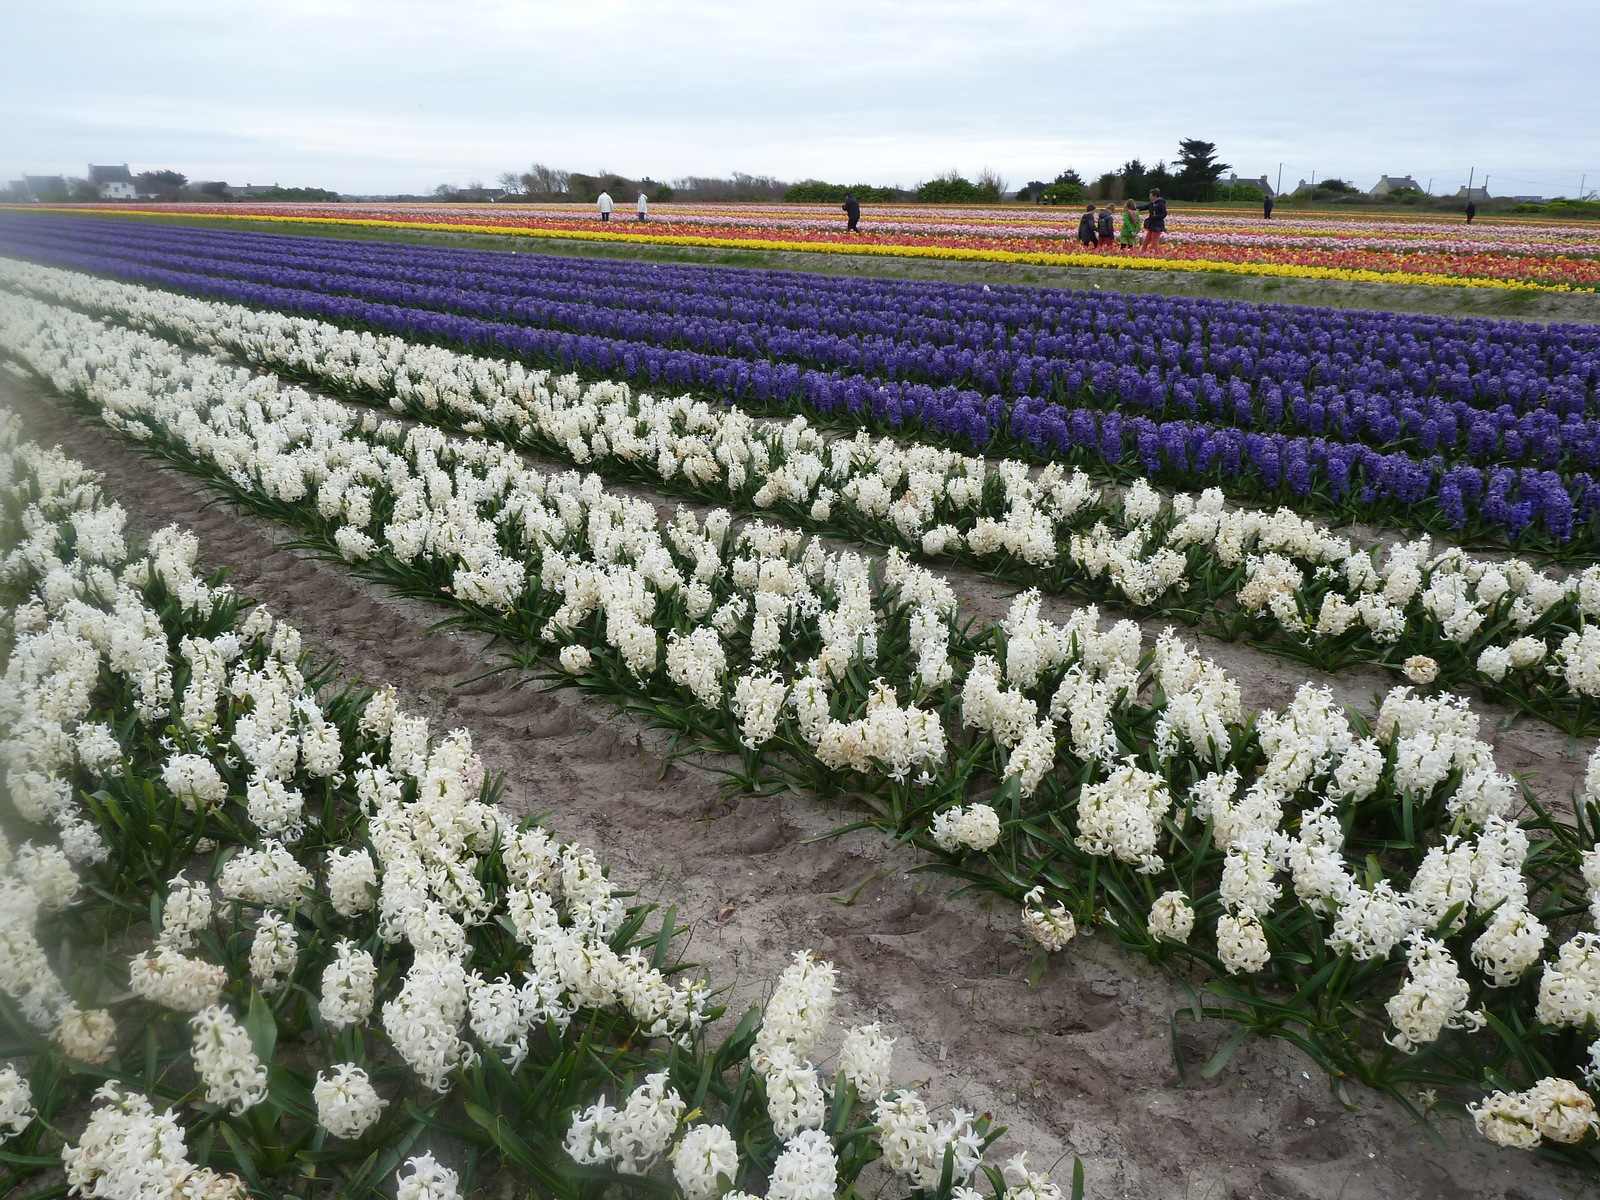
1198,170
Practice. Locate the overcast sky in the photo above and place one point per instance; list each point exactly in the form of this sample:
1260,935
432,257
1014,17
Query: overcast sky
367,97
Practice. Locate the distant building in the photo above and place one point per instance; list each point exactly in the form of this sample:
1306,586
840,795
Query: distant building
37,187
113,183
1477,193
1261,182
481,194
1530,199
1394,183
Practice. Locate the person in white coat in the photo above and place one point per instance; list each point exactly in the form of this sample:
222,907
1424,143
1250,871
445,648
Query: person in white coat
644,207
604,205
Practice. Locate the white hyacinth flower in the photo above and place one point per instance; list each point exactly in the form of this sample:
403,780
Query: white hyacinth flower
347,1103
226,1062
864,1059
1051,926
706,1154
16,1103
806,1170
274,952
1172,916
352,878
972,828
1242,943
429,1179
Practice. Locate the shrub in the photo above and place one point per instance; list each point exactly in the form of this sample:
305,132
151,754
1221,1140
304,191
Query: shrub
1063,194
1569,208
297,193
953,189
814,191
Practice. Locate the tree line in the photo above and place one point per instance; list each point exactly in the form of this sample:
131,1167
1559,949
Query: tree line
546,184
541,183
1193,175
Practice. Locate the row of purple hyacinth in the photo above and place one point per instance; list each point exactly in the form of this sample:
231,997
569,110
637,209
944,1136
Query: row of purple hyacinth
1379,351
1518,504
1401,382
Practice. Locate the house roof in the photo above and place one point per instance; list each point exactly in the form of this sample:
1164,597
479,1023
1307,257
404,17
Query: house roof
45,183
119,174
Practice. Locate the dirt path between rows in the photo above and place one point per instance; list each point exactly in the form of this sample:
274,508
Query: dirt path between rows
1081,1065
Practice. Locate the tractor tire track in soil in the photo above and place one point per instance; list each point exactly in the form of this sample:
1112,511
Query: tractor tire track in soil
1083,1064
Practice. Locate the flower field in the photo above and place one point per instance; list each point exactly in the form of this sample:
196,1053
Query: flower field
1468,426
275,861
1434,250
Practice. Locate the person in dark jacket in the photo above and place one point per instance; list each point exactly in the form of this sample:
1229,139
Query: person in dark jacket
1266,207
1156,223
1086,233
1106,226
1472,211
852,209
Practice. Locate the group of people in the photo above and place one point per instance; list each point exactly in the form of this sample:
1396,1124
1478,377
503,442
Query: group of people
604,206
1099,226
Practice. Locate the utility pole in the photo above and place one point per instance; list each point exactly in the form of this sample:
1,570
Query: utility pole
1580,186
1280,182
1430,185
1485,187
1470,175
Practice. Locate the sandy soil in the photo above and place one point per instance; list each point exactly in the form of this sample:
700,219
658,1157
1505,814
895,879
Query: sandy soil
1081,1065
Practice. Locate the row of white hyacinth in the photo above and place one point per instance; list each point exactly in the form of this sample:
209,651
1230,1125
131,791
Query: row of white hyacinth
1144,757
1441,613
127,666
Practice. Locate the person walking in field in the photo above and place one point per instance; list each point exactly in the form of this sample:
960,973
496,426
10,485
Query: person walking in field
852,210
1086,233
1472,211
604,206
1156,223
644,208
1130,225
1266,207
1105,226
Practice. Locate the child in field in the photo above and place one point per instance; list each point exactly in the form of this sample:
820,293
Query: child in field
1086,233
1130,225
1105,227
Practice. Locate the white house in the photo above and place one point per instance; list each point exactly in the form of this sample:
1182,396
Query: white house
113,183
